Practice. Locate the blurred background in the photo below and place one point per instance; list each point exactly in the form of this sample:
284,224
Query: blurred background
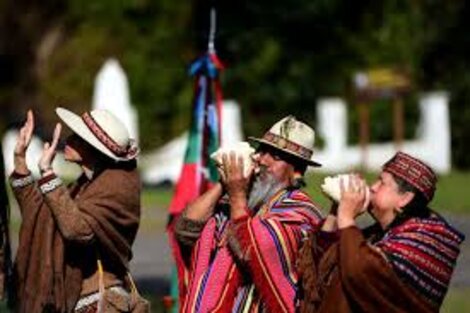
386,63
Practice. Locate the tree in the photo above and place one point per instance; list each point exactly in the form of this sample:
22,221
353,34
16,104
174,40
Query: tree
281,56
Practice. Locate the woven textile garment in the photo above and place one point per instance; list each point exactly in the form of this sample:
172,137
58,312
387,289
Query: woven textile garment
248,265
423,253
407,270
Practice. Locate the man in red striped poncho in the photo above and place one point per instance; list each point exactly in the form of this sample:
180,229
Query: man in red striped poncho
237,244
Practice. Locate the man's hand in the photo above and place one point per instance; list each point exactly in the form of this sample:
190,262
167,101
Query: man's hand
354,201
49,152
236,183
330,224
22,144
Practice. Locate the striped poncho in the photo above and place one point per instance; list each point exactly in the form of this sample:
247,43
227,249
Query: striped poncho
423,252
247,265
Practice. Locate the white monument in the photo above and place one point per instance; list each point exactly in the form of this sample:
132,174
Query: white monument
112,93
431,144
432,141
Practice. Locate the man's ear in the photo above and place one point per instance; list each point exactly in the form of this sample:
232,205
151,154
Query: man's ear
296,175
296,180
405,198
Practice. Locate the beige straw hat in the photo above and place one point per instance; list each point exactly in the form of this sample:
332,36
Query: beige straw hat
102,130
293,137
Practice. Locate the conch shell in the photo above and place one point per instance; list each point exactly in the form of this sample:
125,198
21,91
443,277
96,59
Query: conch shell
332,188
241,149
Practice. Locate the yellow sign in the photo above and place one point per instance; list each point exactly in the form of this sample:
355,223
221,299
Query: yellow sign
381,78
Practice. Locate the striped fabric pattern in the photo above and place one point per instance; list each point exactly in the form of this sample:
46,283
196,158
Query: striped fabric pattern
423,253
263,278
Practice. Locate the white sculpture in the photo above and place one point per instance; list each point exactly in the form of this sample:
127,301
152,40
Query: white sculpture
112,93
431,144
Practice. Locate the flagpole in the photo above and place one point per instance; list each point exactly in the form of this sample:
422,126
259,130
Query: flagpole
198,172
212,30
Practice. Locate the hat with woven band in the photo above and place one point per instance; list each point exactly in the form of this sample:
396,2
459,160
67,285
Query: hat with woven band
292,137
414,172
104,131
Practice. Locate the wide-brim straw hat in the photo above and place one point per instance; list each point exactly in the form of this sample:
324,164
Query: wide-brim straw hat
292,137
102,130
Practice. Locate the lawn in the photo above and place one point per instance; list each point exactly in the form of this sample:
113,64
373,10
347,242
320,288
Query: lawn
457,301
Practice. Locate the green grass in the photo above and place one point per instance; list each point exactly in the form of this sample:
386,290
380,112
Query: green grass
158,198
453,193
457,301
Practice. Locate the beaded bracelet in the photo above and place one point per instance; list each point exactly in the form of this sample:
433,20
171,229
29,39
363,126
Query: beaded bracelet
21,182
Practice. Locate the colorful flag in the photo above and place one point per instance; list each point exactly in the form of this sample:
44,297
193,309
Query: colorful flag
199,171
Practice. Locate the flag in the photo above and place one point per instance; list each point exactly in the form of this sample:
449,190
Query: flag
199,171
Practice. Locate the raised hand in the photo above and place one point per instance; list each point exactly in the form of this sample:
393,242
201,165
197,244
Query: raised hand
22,144
49,151
236,183
354,201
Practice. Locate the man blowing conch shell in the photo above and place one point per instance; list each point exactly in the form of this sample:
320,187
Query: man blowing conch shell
237,244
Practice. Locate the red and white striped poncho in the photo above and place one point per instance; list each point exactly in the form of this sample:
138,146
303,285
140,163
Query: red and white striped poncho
248,265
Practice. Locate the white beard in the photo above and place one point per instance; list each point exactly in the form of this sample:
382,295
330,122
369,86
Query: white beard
264,188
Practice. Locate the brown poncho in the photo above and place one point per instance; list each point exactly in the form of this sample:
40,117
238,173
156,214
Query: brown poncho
50,267
352,276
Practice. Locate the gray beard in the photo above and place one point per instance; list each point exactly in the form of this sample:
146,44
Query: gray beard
264,188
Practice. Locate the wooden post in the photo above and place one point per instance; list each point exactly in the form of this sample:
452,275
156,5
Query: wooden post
398,123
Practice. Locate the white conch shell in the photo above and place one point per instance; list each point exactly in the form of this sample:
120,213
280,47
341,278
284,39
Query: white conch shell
241,149
332,188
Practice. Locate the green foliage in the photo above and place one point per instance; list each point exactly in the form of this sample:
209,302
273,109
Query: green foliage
333,39
148,38
281,56
381,120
